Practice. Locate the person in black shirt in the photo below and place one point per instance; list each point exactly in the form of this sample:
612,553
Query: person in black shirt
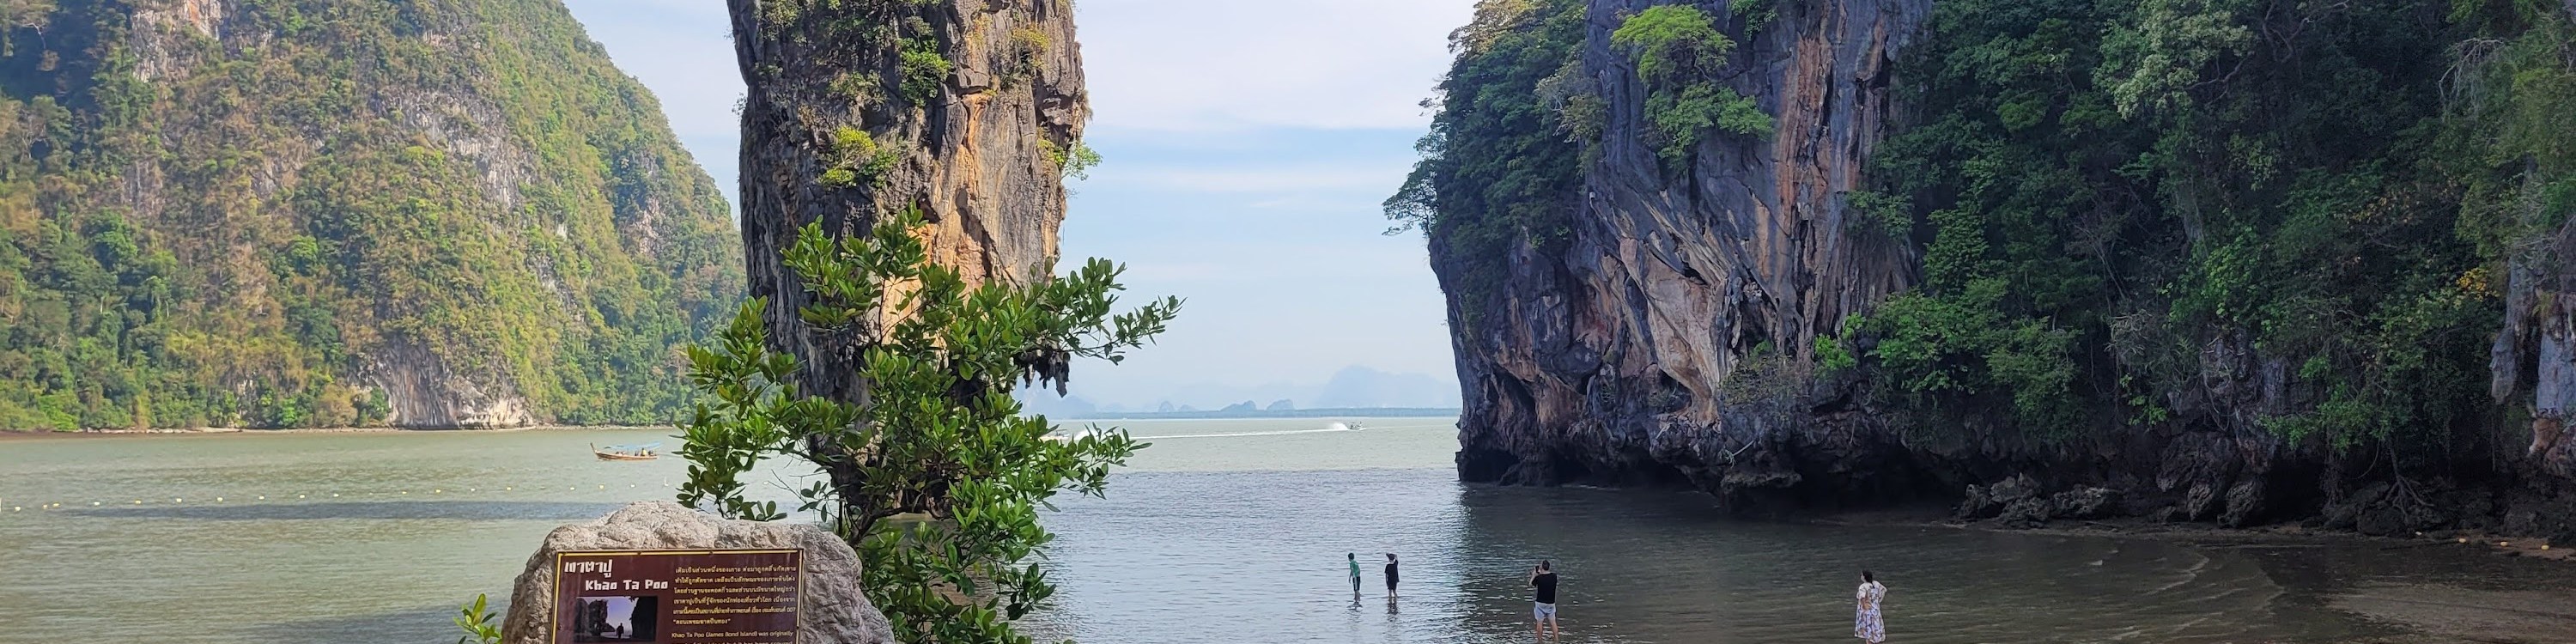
1544,608
1390,575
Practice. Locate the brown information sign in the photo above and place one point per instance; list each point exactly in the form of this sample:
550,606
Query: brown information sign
677,596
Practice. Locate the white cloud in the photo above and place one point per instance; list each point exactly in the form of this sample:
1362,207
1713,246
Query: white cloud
1238,64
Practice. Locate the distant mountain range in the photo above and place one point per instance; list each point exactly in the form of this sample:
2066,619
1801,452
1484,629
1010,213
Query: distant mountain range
1357,389
1329,412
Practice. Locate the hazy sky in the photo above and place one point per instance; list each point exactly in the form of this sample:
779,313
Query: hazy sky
1247,144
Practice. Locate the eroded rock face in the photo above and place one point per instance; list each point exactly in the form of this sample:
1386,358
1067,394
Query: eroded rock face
1666,339
977,148
420,392
830,607
2536,349
1611,361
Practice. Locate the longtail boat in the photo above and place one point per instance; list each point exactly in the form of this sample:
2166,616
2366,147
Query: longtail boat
644,452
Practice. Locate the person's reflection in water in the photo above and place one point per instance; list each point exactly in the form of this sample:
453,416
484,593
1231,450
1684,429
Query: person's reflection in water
1394,626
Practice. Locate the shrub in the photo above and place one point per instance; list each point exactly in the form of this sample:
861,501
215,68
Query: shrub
939,434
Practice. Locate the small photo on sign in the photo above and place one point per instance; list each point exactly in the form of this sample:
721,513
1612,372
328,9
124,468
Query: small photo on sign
615,618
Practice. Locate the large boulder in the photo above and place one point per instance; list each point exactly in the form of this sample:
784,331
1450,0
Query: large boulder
1986,502
830,606
2244,504
2087,502
2030,512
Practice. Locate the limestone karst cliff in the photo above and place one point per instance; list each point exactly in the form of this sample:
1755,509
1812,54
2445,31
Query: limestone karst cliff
969,110
298,213
2194,261
1596,346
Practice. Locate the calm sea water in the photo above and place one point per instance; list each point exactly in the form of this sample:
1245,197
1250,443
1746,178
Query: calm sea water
1224,531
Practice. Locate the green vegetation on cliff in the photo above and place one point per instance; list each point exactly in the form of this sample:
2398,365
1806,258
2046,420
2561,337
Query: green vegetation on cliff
2298,218
1501,175
2116,198
1519,118
283,213
1680,54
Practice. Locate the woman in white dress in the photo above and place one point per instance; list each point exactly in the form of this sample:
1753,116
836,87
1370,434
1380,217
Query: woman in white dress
1866,622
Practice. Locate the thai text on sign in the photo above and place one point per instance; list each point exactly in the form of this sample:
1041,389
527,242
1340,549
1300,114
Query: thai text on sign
677,596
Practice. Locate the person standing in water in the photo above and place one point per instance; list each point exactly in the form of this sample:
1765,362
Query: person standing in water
1543,608
1390,575
1867,623
1355,576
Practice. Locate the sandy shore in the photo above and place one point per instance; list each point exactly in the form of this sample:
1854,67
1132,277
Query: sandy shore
2430,613
1939,516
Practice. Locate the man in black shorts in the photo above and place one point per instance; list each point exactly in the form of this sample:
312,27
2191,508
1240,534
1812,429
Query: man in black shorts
1543,607
1390,575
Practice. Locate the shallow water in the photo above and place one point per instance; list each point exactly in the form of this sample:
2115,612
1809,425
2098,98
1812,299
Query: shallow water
1224,531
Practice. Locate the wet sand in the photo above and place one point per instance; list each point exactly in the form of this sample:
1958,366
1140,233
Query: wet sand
2475,587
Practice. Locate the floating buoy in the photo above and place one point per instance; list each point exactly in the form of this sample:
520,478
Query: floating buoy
93,504
335,495
138,502
2463,539
219,499
263,497
506,489
2502,544
13,508
406,492
603,486
299,496
178,500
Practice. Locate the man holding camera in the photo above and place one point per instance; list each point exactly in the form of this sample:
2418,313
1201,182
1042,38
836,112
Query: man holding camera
1544,608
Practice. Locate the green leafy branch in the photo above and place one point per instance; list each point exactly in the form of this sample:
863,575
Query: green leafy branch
477,623
931,470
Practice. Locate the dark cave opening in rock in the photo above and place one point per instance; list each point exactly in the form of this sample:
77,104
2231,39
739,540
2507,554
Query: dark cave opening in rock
1654,474
1485,465
1563,468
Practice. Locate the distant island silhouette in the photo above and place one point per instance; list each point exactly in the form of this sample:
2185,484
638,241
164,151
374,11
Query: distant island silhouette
1236,412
